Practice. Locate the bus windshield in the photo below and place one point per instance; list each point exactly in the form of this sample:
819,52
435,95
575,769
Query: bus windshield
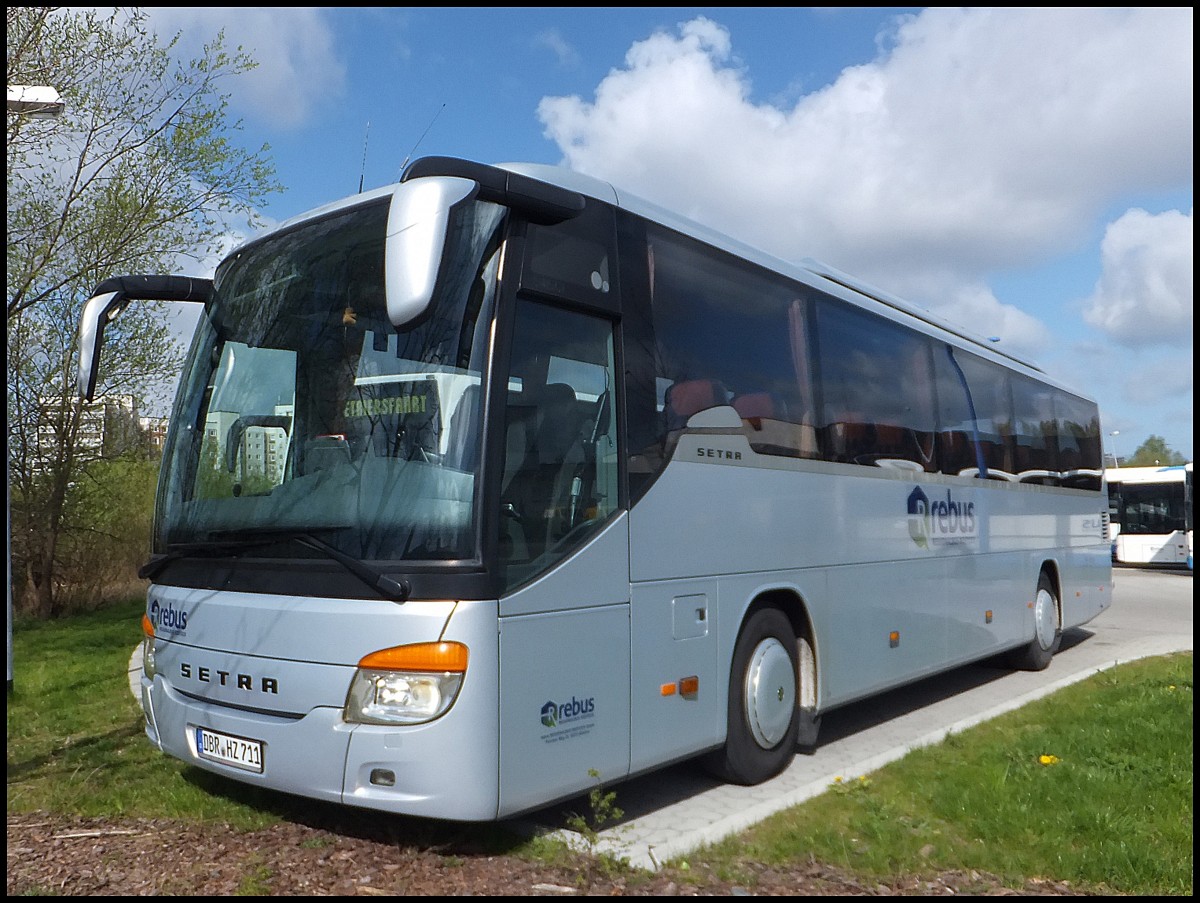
306,410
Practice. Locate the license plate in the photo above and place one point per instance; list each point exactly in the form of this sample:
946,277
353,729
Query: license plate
239,752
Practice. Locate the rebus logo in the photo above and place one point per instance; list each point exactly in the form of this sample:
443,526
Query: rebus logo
167,617
553,714
938,521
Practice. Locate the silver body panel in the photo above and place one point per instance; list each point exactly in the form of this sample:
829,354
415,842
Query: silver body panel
739,524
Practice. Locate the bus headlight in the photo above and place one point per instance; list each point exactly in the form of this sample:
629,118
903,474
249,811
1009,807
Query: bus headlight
406,684
148,665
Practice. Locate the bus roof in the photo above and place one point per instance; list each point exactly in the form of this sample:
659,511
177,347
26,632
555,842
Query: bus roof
1171,473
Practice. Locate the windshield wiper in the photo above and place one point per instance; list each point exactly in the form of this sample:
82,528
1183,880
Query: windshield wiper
396,590
177,550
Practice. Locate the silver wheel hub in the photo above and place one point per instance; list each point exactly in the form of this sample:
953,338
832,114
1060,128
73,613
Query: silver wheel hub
770,692
1045,615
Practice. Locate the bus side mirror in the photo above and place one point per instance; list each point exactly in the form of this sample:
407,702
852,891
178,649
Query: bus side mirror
416,241
98,312
419,218
110,298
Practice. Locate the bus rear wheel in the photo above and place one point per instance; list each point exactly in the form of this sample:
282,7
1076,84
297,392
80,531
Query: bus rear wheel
1047,632
763,717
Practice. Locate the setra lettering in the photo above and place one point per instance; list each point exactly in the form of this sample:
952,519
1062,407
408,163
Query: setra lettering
203,674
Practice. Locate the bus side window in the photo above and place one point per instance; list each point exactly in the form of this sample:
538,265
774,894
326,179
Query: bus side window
878,392
724,329
1080,457
1035,449
989,386
559,481
956,428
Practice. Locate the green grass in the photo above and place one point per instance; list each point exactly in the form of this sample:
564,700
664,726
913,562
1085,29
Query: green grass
76,740
1108,808
1092,785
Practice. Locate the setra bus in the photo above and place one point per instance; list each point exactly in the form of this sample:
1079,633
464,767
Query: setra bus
1150,514
565,485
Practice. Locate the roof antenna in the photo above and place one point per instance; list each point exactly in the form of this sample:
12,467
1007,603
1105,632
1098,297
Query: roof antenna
363,172
422,138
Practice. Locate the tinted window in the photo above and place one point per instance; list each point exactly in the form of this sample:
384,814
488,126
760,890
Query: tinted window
559,481
877,389
992,401
728,333
1151,508
956,436
1079,448
574,260
1035,452
814,376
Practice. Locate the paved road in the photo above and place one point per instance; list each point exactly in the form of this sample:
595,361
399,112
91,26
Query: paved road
676,810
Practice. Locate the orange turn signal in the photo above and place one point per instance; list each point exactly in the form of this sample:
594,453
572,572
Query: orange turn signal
147,626
418,657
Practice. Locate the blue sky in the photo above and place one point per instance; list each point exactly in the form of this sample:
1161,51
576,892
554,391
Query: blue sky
1024,172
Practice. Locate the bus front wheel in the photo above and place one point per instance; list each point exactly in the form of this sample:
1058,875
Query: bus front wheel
763,717
1047,631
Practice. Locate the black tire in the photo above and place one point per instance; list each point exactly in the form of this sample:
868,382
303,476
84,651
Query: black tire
1047,631
763,715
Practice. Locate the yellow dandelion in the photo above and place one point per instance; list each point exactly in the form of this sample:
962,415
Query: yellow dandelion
1048,760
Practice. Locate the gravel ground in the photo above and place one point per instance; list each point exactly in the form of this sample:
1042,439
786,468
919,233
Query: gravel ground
140,857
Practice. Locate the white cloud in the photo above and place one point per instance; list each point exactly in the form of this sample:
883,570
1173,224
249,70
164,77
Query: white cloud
1144,294
979,140
975,307
298,69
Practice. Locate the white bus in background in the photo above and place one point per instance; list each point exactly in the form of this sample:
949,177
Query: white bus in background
577,487
1150,515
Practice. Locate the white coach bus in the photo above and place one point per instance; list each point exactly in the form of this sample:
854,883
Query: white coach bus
1150,510
574,486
